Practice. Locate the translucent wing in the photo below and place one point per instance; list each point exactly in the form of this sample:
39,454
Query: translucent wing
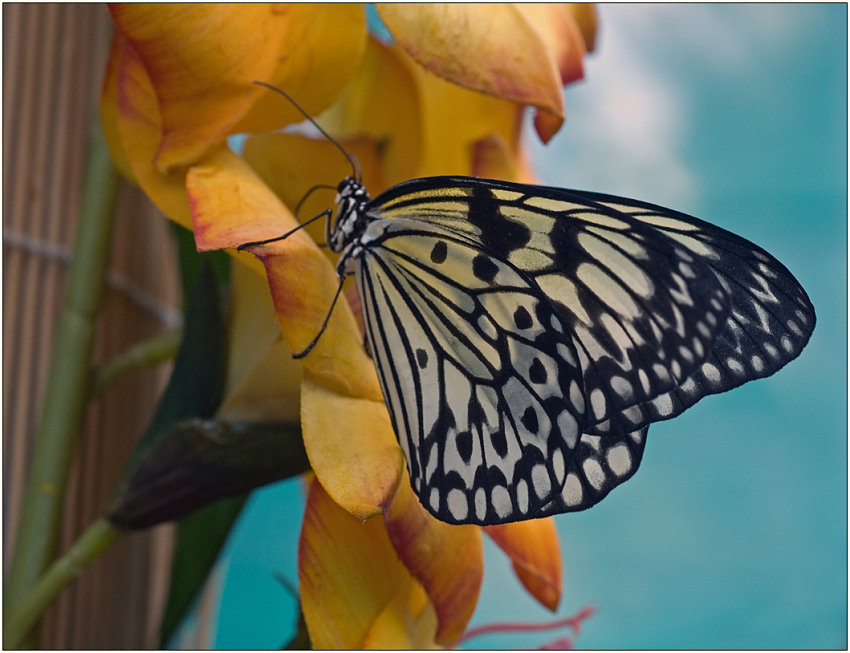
476,370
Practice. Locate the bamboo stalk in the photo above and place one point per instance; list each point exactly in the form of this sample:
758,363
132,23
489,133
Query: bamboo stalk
68,384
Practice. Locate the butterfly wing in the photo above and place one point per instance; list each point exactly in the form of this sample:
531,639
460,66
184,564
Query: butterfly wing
473,370
656,309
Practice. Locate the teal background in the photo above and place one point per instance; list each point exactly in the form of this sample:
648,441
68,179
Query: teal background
733,534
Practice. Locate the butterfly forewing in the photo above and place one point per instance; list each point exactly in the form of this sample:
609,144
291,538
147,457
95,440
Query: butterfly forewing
770,318
641,310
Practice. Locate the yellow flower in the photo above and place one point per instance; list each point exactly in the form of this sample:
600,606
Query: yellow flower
375,569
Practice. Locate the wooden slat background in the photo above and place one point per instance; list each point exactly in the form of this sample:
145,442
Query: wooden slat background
53,58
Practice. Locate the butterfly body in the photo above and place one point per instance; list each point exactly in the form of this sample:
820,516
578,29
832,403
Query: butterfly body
525,336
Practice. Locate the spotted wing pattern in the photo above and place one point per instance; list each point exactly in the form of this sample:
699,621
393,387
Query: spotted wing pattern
525,336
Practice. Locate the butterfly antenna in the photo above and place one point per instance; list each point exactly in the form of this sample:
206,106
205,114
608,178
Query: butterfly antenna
308,193
355,168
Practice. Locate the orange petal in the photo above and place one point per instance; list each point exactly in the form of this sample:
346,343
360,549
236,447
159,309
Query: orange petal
231,205
352,448
347,573
408,622
563,37
533,547
560,32
139,130
204,58
488,47
447,560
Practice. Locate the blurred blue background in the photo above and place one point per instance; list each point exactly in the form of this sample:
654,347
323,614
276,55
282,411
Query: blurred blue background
733,534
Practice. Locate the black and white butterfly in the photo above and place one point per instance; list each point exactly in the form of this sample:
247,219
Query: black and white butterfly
526,336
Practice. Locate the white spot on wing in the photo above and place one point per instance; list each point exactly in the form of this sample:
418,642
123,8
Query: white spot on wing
456,501
597,402
619,459
501,501
593,472
572,492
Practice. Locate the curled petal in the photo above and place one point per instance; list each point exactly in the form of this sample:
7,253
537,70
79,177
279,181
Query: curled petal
584,13
533,548
352,448
347,573
138,132
564,40
447,560
203,60
490,48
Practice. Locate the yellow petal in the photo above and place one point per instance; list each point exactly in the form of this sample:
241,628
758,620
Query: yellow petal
447,560
454,118
492,48
347,573
352,448
382,101
533,547
204,58
139,130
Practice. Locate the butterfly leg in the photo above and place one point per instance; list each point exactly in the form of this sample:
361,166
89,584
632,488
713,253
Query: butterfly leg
256,243
313,342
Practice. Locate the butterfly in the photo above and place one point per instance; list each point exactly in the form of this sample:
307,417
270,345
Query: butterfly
526,336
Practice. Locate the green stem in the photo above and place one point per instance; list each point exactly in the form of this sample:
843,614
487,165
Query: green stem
26,612
68,382
140,356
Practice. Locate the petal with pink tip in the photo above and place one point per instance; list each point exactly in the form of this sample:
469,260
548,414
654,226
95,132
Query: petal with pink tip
533,548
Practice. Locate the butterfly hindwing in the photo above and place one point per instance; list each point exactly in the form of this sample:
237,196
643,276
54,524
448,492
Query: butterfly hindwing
474,366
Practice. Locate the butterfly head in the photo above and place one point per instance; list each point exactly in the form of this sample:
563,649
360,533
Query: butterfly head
350,218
